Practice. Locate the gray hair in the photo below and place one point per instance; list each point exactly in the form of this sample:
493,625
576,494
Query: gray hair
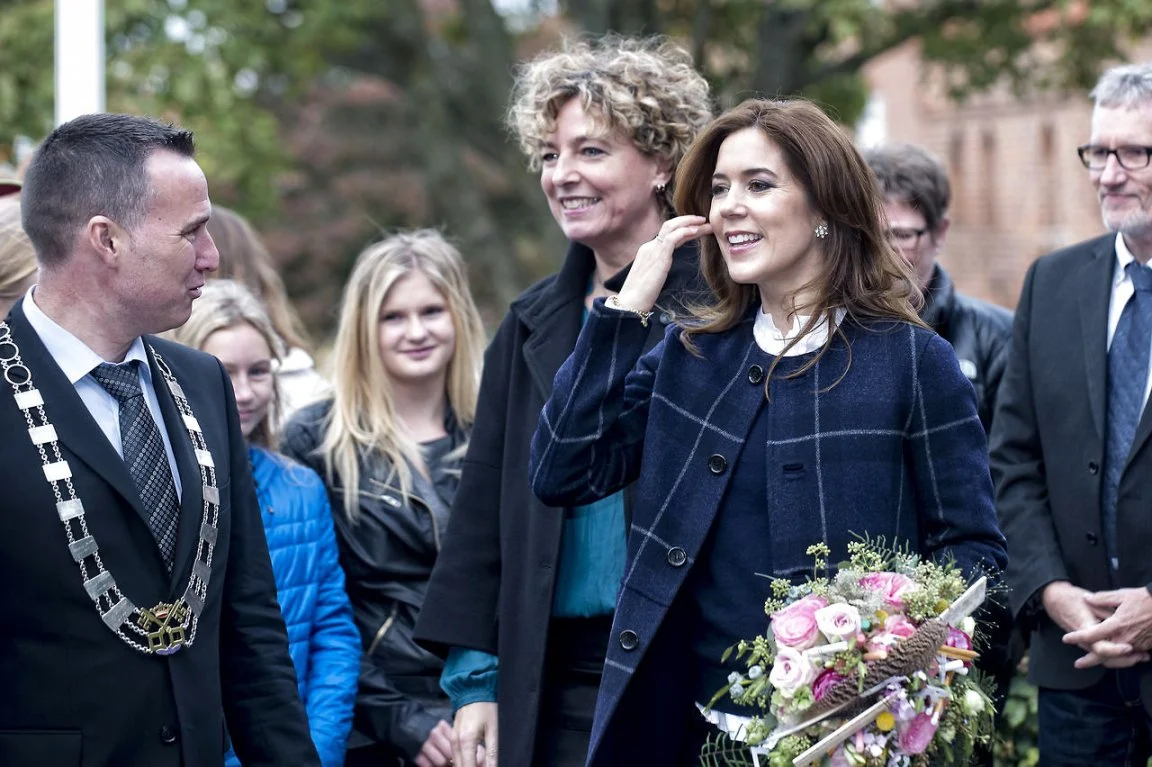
92,166
1127,85
914,176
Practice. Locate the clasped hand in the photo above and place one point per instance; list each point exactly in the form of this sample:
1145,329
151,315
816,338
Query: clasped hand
1114,628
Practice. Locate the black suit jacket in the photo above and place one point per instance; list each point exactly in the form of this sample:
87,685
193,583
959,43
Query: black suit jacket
74,694
1048,454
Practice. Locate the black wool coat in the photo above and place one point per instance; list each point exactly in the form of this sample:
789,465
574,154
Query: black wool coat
492,587
1048,445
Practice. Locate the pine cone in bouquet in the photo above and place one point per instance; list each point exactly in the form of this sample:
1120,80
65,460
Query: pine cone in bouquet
905,658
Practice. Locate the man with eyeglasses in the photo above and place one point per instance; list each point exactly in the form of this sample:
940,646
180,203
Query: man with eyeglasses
1072,459
917,194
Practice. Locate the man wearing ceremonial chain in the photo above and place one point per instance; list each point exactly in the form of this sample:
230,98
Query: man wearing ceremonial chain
137,599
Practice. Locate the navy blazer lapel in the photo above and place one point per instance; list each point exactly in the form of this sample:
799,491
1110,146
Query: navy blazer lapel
191,493
1095,279
75,427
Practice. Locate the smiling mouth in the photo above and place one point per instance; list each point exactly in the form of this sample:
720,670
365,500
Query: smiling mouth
578,203
742,239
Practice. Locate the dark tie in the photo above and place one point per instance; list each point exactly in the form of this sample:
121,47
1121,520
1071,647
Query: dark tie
1127,379
144,453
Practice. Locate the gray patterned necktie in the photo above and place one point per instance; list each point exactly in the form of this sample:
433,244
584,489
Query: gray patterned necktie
144,453
1127,379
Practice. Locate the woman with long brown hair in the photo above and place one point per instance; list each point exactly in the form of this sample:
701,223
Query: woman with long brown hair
806,403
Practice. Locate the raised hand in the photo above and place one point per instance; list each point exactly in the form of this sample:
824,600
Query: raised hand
654,259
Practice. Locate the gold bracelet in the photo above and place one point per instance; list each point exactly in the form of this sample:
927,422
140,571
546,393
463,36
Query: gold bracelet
614,302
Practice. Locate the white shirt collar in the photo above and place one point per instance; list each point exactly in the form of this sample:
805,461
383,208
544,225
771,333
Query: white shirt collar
73,356
772,340
1123,258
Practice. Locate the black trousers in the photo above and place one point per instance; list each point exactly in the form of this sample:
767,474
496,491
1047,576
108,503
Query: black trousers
573,665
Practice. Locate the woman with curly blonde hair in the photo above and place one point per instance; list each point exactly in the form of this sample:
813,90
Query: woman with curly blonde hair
522,597
389,442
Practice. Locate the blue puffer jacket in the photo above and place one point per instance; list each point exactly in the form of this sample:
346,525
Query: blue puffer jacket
322,639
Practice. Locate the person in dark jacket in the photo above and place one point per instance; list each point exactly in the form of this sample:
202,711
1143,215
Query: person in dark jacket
229,323
916,199
806,403
406,370
522,597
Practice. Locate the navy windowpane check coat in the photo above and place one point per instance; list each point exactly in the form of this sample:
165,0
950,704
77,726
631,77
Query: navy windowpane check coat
895,449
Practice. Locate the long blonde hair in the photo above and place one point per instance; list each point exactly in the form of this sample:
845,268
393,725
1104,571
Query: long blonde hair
363,423
245,259
224,304
17,256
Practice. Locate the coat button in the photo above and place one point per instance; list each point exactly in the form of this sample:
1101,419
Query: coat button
168,735
1093,467
1091,538
677,556
755,374
717,464
629,639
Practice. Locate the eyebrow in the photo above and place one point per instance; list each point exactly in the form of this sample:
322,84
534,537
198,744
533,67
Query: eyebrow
574,140
195,225
748,173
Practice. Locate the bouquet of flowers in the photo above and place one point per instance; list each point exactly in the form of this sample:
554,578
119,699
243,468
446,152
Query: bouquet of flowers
870,667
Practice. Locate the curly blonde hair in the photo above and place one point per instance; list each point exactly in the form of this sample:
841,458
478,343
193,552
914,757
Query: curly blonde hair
647,89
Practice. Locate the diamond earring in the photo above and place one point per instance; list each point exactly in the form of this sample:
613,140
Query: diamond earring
822,230
660,188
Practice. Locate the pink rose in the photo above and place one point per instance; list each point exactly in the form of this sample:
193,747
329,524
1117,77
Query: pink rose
795,625
958,639
918,734
825,682
838,621
791,671
899,626
891,586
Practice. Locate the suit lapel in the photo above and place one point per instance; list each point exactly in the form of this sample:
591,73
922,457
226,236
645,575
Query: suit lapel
1096,276
76,429
191,492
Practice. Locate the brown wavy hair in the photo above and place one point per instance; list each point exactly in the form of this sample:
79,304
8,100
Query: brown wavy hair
863,275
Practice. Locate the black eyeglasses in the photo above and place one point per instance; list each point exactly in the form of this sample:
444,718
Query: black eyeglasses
1130,157
906,237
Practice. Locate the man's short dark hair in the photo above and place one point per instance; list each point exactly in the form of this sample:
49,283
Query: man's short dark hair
913,175
92,166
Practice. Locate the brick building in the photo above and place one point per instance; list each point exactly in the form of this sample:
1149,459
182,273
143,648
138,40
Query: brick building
1018,189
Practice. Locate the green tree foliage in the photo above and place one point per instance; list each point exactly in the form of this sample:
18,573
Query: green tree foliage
325,121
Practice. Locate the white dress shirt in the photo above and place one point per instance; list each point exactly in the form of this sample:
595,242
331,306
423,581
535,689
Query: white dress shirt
772,340
1122,290
77,360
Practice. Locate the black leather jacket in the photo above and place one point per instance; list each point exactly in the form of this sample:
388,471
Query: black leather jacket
980,333
387,556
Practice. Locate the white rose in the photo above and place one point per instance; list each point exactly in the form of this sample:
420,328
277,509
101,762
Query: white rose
968,625
973,702
792,670
838,621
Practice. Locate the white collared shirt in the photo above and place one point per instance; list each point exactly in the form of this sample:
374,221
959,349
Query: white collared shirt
772,340
1122,290
77,360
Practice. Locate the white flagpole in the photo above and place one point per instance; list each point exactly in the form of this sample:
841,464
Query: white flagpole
79,58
